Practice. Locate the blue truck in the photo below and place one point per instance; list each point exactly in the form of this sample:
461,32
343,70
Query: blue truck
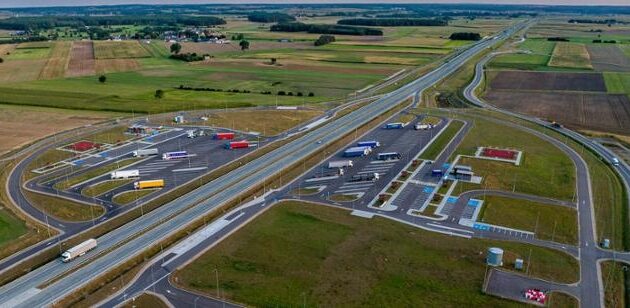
357,151
396,125
371,144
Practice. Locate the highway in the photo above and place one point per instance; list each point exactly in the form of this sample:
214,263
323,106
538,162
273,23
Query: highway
125,242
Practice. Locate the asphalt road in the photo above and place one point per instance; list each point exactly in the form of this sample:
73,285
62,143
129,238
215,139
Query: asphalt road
155,225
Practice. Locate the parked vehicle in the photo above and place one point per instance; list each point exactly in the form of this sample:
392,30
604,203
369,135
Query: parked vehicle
78,250
615,161
145,152
357,151
174,155
148,184
371,144
339,172
396,125
340,164
124,174
388,156
191,133
420,126
223,136
365,177
237,145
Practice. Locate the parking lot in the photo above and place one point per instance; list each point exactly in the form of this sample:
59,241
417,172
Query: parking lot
205,154
324,184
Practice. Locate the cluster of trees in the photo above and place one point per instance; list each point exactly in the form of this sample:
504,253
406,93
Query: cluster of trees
267,17
558,39
280,93
324,29
324,39
393,22
598,41
49,22
189,57
465,36
17,40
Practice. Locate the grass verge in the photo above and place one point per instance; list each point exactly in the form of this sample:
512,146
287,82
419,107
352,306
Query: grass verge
438,144
103,187
131,196
326,257
64,209
614,277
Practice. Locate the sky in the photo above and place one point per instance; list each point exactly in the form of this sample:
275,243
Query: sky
31,3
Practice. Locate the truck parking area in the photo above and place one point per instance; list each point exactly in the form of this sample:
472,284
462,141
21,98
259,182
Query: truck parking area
370,173
204,152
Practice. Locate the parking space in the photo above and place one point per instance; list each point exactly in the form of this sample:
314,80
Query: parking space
368,175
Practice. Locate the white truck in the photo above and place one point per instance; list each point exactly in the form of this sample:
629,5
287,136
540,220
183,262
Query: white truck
125,174
78,250
339,164
145,152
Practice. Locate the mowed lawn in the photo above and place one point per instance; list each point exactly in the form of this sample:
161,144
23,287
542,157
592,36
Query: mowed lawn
299,254
571,55
617,83
542,162
549,222
10,227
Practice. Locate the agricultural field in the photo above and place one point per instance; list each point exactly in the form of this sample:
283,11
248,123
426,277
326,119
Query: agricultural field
609,58
548,222
298,253
119,50
618,83
547,81
536,56
570,55
20,125
57,63
82,61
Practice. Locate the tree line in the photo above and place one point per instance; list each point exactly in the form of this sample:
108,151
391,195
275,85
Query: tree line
49,22
465,36
267,17
393,22
324,29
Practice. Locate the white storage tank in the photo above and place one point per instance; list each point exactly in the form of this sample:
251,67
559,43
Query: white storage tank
495,256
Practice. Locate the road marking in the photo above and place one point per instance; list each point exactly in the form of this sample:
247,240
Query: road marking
190,169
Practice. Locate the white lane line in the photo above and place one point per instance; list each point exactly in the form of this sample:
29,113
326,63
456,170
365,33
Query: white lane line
351,190
190,169
369,172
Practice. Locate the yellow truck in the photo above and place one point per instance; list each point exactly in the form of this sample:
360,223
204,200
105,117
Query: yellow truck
148,184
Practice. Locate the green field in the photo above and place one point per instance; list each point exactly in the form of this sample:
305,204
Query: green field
541,162
36,53
617,83
299,254
540,52
65,209
10,227
131,196
613,276
103,187
440,142
548,222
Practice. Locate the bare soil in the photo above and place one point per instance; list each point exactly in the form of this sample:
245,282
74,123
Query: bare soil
608,58
82,61
597,112
548,81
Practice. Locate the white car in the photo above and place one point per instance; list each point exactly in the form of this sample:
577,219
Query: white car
615,161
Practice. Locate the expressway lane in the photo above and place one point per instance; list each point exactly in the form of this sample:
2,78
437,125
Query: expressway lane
177,214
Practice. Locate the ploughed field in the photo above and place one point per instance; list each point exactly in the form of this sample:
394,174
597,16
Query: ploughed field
577,100
609,58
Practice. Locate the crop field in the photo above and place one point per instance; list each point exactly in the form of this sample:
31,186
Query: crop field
578,33
598,112
537,56
541,162
571,55
548,81
119,50
618,83
300,254
81,59
57,62
609,58
21,125
116,65
30,51
549,222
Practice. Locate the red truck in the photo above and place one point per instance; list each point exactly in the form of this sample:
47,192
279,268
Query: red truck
223,136
237,145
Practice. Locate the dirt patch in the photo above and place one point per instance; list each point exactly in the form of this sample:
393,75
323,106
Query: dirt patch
598,112
116,65
82,61
545,81
20,125
608,58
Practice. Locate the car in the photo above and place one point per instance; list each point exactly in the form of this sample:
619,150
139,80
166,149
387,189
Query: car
615,161
319,142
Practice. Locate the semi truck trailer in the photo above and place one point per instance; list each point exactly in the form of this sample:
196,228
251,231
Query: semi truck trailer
125,174
145,152
397,125
174,155
371,144
357,151
148,184
339,164
78,250
223,136
365,177
388,156
237,145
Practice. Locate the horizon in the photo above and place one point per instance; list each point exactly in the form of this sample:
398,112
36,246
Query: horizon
9,4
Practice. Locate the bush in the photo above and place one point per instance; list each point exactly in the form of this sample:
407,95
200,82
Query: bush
465,36
267,17
189,57
311,94
324,39
282,93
